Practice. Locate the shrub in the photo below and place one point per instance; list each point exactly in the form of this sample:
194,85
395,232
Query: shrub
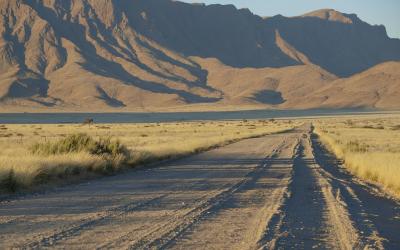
9,183
368,126
106,146
396,127
355,146
71,144
81,143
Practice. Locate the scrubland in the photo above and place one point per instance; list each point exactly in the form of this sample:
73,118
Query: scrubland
370,148
33,155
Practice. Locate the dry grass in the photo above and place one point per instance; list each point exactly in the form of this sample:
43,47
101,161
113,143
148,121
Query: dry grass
369,147
31,154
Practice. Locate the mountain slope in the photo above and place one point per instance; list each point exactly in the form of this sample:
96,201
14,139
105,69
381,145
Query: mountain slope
270,86
340,43
378,87
240,39
306,86
156,54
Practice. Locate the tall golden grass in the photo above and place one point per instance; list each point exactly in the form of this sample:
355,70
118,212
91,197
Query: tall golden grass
30,154
370,148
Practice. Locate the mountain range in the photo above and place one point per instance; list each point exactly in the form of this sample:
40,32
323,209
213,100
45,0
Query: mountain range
99,55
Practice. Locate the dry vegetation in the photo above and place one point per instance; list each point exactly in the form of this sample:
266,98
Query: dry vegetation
32,155
370,148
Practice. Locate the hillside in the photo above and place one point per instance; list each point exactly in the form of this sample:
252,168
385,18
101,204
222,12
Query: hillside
158,54
378,87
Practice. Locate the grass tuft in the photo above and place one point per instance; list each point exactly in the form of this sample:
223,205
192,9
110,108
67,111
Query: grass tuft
77,143
356,146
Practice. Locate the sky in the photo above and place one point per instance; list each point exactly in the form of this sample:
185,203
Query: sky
386,12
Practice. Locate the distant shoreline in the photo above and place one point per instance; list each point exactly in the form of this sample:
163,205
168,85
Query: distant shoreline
153,117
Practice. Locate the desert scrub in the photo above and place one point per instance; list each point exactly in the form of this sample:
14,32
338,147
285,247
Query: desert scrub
77,143
112,152
371,154
55,153
356,147
74,157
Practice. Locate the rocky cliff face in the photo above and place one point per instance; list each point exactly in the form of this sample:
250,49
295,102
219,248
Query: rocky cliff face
144,54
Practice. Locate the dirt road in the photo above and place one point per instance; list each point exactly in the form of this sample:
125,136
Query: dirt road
281,191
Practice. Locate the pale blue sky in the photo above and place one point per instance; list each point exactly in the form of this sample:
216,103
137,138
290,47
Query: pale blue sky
386,12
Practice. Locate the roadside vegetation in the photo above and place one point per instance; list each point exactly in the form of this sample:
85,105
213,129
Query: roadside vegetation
370,148
33,155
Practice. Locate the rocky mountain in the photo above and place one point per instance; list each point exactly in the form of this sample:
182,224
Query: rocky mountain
162,54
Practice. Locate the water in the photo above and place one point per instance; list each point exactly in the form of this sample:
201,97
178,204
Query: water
57,118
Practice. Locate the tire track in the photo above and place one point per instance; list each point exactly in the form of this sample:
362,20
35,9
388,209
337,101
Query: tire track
352,214
219,170
343,234
162,236
132,236
279,196
76,229
230,221
339,212
312,215
272,230
94,221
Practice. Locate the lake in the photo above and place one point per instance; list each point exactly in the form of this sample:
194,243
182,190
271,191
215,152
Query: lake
57,118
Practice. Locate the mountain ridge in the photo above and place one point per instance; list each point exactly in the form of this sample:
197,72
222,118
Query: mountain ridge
151,54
